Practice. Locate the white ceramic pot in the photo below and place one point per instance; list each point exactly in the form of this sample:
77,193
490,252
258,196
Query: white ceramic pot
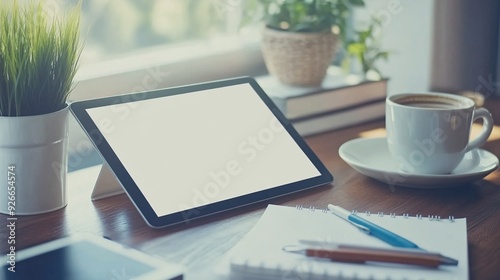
33,163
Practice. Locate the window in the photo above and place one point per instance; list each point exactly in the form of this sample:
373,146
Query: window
175,41
114,28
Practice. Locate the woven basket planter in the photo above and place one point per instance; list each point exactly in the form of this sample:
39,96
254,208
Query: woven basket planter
299,59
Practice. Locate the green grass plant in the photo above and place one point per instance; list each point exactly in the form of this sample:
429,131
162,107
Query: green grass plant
38,58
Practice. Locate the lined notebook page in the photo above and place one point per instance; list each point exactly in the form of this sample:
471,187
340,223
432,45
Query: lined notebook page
259,254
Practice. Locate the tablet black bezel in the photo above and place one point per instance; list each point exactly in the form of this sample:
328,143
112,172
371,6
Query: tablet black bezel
79,108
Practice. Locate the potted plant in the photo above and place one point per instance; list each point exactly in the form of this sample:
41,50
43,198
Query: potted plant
364,49
38,60
300,37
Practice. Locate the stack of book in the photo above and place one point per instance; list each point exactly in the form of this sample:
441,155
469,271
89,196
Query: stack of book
341,101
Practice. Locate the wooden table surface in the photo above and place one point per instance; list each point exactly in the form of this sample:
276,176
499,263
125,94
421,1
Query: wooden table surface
201,244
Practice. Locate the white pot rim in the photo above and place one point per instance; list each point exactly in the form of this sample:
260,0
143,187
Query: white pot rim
25,131
37,116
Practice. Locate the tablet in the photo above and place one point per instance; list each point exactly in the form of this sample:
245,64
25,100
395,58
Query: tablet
187,152
83,257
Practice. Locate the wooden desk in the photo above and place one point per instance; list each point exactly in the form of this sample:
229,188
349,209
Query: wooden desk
200,244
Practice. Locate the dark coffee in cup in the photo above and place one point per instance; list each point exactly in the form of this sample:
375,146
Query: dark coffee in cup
433,102
428,133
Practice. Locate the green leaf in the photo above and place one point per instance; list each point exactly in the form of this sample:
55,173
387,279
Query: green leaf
356,48
359,3
381,55
364,35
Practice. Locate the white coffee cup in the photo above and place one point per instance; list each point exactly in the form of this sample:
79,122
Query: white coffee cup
428,133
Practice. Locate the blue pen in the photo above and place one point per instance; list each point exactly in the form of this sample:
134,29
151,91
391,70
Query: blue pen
372,229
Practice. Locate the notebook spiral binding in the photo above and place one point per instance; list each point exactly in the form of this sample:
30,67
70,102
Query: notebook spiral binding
381,214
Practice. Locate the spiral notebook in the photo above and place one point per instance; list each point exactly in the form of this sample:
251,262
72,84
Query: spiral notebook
259,254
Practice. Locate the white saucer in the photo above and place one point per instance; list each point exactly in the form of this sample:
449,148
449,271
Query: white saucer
371,157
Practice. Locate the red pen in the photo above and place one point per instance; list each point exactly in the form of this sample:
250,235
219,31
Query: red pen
361,254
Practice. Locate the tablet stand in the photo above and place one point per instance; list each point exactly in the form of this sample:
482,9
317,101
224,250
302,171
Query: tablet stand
106,185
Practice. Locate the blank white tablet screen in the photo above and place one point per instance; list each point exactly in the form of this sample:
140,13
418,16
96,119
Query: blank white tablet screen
189,150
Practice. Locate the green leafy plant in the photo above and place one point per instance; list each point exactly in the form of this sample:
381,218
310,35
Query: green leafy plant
365,47
38,58
308,15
